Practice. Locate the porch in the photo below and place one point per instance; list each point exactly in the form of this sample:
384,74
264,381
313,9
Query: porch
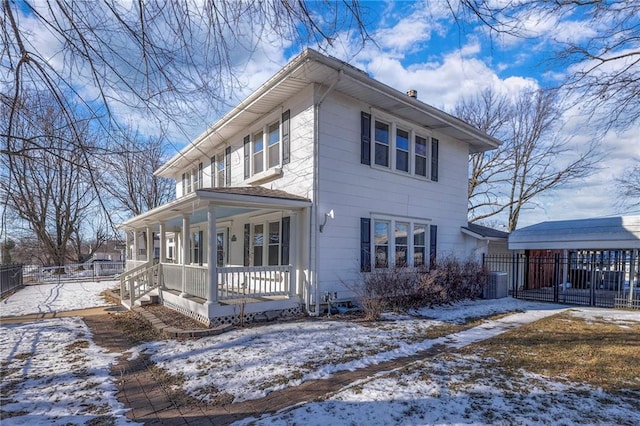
189,254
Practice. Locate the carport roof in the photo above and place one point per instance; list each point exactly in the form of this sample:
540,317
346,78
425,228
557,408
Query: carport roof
620,232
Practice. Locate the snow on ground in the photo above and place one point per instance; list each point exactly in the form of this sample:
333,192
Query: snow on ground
250,363
64,296
457,389
53,374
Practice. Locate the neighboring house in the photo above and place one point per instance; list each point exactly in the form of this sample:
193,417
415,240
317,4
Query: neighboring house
321,173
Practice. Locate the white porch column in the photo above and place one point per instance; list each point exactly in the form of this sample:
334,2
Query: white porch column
127,248
185,251
212,250
163,243
293,252
149,232
134,255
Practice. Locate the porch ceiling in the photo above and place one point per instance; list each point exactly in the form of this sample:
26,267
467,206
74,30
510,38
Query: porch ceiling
227,201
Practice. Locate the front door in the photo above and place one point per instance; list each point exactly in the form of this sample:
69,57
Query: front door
222,244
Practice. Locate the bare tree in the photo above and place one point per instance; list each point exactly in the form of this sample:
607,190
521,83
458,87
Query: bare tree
168,60
531,161
603,67
628,186
48,187
129,177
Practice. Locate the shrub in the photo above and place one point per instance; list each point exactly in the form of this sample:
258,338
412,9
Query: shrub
451,280
400,289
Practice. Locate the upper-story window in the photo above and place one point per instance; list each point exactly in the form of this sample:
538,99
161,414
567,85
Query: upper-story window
193,179
382,144
274,144
268,148
258,152
397,146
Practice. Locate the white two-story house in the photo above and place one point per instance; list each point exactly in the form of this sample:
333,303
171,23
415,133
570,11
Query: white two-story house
320,174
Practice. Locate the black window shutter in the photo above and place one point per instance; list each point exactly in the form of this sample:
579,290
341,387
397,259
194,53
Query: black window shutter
433,244
434,159
284,248
247,157
227,166
365,138
247,242
365,244
286,139
200,243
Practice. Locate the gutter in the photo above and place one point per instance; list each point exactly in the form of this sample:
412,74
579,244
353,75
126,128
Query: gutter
316,191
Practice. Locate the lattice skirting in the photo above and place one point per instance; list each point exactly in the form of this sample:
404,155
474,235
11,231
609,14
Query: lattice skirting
236,319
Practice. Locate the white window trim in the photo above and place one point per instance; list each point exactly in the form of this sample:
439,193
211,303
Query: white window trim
267,172
391,256
413,129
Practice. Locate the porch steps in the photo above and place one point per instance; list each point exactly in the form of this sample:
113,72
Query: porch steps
148,299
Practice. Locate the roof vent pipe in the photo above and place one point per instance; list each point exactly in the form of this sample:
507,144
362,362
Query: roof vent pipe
412,93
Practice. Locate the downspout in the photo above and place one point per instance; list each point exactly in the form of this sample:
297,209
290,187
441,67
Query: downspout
316,191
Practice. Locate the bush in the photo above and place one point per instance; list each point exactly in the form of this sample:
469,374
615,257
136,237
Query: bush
452,280
401,289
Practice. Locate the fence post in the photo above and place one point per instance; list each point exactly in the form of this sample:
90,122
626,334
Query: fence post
592,287
556,276
514,273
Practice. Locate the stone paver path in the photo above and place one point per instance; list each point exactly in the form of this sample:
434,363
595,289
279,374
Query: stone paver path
151,404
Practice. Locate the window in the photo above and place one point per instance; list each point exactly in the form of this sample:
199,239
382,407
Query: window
258,152
382,144
402,243
402,150
188,180
406,247
184,184
268,148
274,243
398,147
269,242
196,247
420,156
220,249
274,145
258,240
419,232
381,242
200,177
220,171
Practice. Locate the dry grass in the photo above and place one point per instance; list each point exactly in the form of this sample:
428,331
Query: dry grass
600,353
136,328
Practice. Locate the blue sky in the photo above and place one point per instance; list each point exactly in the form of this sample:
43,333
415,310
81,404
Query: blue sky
419,46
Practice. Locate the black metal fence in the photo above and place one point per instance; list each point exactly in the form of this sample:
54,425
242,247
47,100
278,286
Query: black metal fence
603,278
10,278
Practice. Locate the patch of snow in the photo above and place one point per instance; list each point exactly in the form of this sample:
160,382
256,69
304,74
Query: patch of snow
616,316
55,375
250,363
47,298
459,389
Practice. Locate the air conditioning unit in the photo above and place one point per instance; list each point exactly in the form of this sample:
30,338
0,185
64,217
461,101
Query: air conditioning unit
497,286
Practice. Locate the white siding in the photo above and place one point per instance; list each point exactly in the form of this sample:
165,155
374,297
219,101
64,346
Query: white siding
354,190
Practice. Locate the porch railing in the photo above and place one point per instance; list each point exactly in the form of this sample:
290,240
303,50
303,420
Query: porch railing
172,276
196,282
233,282
253,281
